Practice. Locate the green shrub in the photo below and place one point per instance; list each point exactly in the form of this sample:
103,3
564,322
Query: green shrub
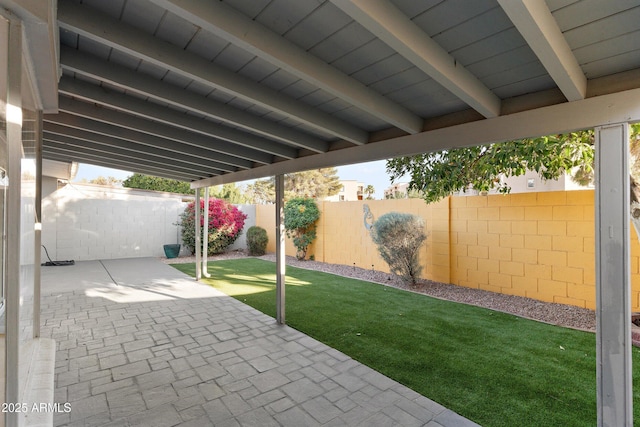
300,216
399,237
257,240
225,225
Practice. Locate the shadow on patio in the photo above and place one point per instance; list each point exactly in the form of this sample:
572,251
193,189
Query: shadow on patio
139,343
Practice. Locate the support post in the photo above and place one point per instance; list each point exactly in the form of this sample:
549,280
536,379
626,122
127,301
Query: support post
205,235
37,253
613,280
198,244
280,251
14,175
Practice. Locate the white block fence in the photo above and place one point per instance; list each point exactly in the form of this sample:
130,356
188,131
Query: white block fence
90,222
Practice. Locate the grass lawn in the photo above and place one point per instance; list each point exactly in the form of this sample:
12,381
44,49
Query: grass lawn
493,368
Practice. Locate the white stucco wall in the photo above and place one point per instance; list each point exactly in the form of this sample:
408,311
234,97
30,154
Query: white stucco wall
88,222
250,212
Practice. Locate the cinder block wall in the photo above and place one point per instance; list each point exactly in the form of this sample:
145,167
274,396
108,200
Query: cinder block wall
82,222
537,245
343,238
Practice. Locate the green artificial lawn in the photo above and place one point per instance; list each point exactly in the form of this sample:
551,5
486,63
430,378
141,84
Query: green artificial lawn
493,368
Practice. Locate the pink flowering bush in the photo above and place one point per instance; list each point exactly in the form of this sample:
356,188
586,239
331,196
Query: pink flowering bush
225,225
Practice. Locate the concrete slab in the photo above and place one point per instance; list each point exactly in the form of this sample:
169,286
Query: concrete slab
139,343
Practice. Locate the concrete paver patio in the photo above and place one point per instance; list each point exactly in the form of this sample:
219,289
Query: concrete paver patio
141,344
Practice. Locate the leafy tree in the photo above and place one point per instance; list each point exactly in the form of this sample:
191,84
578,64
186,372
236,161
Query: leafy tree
399,237
147,182
314,184
369,190
261,192
101,180
229,192
225,225
300,216
439,174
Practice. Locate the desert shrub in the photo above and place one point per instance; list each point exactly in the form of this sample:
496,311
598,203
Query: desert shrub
300,216
399,237
225,225
257,240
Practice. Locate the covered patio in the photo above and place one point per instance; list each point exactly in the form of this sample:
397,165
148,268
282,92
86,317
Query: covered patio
224,91
141,344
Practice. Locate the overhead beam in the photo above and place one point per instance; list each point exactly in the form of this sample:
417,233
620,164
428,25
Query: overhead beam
231,25
70,144
561,118
116,123
389,24
164,119
116,34
125,78
124,159
222,161
52,154
534,21
114,145
244,145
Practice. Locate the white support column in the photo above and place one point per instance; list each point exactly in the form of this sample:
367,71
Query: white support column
205,235
12,272
613,289
38,226
281,264
198,244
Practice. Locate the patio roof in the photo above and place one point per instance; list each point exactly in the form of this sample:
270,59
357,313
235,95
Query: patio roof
233,90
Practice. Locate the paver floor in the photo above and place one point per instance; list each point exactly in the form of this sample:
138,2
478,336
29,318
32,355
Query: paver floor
141,344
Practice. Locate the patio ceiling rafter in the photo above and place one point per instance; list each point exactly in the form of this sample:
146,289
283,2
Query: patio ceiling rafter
116,123
231,25
64,155
100,128
118,35
244,145
62,144
392,26
108,144
123,78
536,24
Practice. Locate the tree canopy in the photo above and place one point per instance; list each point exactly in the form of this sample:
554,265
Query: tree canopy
437,175
314,184
229,192
101,180
147,182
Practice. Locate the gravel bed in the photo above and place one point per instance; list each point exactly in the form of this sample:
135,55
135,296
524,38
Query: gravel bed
555,314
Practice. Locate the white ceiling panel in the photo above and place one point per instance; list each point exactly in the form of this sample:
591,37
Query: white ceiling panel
322,23
176,30
282,15
143,14
345,40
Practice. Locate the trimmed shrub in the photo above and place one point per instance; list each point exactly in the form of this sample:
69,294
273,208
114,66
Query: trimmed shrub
225,225
257,240
399,237
300,216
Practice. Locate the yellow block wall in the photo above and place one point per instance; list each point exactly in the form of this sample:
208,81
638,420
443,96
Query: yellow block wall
343,239
537,245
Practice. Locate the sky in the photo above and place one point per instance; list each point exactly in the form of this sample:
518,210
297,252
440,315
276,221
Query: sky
371,173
